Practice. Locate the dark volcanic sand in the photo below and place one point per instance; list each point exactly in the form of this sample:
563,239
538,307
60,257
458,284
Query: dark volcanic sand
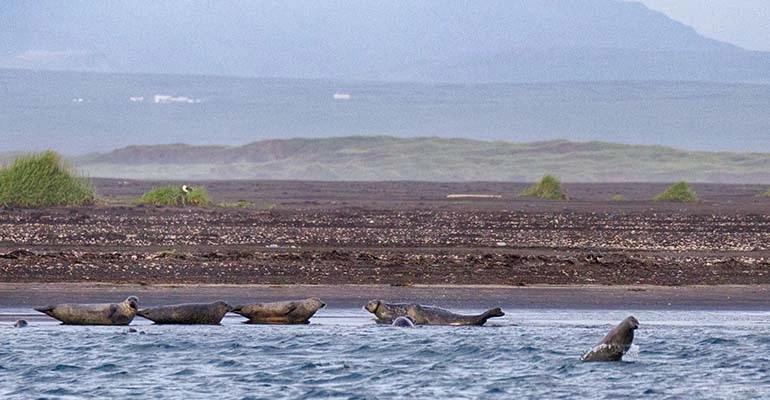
396,233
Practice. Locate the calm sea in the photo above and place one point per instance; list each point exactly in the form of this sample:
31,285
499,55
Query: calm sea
342,354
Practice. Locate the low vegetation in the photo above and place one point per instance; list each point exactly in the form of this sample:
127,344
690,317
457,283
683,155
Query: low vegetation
176,196
549,187
43,180
679,192
766,193
618,197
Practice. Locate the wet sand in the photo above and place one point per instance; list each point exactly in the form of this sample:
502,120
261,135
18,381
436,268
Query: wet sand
754,297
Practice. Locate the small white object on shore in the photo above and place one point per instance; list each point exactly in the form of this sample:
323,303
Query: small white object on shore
474,196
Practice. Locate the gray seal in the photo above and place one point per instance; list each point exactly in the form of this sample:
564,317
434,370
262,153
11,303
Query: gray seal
93,314
20,324
280,312
615,344
187,314
403,322
427,315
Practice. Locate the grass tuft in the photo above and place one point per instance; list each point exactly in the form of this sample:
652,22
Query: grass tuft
549,187
679,192
175,196
43,180
766,193
618,197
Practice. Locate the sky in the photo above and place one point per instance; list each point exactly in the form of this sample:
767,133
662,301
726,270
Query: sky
745,23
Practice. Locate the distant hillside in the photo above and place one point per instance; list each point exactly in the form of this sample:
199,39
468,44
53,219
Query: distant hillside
454,41
426,159
78,113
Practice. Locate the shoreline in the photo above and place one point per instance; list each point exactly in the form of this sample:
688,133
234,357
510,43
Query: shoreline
578,297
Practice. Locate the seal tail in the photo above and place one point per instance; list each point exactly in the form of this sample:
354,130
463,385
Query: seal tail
48,310
495,312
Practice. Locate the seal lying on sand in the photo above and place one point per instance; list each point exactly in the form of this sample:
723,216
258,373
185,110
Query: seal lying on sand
192,313
427,315
281,312
615,344
93,314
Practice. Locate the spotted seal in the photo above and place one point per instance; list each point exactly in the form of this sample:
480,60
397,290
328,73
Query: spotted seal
94,314
187,314
281,312
427,315
615,344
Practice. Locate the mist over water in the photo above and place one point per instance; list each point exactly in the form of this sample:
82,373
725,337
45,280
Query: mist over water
344,354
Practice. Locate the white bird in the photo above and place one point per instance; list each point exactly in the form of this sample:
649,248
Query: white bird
185,189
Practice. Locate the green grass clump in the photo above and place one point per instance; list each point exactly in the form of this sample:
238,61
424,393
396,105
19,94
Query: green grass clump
766,193
43,180
618,197
549,187
680,192
175,196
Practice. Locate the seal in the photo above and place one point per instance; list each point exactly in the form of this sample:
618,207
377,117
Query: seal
187,314
403,322
93,314
281,312
427,315
20,324
615,344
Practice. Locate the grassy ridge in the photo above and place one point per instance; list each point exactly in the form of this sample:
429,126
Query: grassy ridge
428,159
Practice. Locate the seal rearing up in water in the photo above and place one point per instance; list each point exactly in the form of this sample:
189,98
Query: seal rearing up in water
93,314
615,344
187,314
427,315
280,312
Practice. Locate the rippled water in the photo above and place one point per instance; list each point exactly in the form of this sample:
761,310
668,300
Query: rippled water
343,354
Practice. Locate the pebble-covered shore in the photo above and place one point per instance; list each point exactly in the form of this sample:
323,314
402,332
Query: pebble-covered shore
401,242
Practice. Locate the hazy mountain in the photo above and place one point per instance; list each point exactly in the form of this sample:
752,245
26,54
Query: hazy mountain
416,40
78,113
426,159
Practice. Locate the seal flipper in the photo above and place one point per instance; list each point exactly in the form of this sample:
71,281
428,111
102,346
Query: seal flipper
48,310
112,311
290,309
495,312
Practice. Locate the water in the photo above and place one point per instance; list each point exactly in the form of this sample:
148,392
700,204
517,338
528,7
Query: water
344,355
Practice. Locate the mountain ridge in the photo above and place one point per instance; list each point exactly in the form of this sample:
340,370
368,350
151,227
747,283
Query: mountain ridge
402,40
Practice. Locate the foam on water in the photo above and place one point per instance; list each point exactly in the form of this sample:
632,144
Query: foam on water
343,354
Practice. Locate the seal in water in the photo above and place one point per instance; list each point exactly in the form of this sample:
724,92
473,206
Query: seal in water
187,314
281,312
615,344
403,322
93,314
427,315
20,324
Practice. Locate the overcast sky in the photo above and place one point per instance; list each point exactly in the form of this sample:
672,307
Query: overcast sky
745,23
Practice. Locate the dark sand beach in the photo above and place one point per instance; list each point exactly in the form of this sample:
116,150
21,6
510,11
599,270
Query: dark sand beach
27,295
406,241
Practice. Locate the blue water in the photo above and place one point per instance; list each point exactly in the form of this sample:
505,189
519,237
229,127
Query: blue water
343,354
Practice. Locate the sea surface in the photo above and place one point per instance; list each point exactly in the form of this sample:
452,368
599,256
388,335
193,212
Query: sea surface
343,354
